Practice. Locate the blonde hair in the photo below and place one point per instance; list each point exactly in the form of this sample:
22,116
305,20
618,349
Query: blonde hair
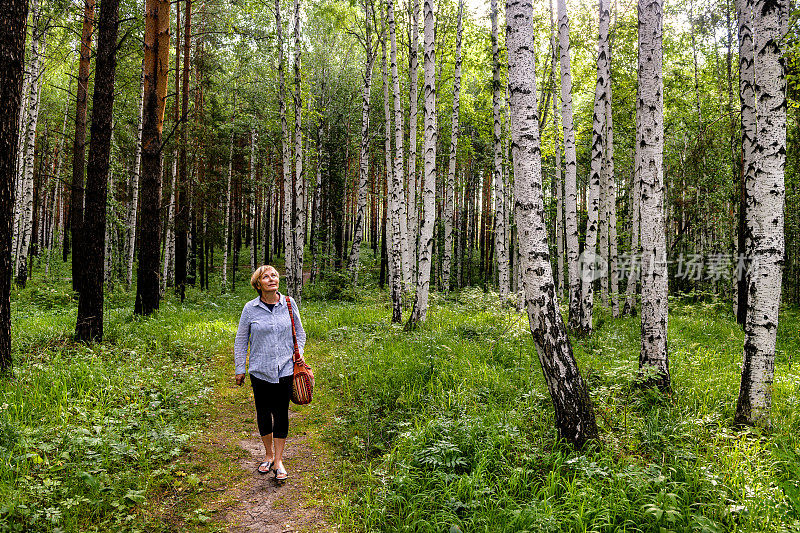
255,279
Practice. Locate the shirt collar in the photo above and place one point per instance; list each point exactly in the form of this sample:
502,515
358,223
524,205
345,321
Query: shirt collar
260,303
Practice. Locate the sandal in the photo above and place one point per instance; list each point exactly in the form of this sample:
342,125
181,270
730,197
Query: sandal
267,464
281,474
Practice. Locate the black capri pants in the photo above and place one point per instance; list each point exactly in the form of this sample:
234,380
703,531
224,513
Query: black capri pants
272,405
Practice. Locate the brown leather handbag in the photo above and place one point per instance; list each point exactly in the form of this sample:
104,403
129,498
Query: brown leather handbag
303,382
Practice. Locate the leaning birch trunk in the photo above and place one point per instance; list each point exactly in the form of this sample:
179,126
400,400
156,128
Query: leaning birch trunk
298,189
288,240
574,416
227,221
749,134
358,225
413,67
611,197
449,196
429,182
25,200
765,199
653,361
394,252
400,205
501,250
590,256
130,248
570,170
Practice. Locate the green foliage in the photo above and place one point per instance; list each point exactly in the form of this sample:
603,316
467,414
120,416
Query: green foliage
450,428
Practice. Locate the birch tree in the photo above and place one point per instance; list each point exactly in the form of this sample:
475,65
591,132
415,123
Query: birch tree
288,237
133,209
295,280
765,213
411,179
182,184
574,415
449,196
227,222
429,182
570,170
500,243
595,175
13,15
392,229
363,181
24,202
653,361
611,199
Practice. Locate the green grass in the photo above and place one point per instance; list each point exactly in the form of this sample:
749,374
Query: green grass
447,428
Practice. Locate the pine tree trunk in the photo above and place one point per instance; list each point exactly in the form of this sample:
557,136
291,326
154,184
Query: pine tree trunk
13,14
156,61
653,361
449,196
429,184
570,170
574,415
89,325
765,208
24,202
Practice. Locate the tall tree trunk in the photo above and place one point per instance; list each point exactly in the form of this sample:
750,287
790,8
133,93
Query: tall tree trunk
749,134
25,200
168,272
653,360
611,199
500,243
765,208
227,222
182,185
288,239
559,181
411,178
574,415
570,170
360,221
449,196
392,227
595,176
253,199
429,184
400,205
133,209
13,15
79,145
295,281
156,68
89,325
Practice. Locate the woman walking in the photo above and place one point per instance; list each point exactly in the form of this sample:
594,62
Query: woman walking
266,326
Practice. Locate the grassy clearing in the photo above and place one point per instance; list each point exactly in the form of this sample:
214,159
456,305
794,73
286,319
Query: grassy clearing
450,428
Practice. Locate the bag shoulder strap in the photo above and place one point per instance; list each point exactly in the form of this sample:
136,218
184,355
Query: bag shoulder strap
294,332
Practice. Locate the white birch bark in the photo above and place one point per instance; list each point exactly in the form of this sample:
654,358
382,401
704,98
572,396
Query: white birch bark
253,184
595,175
653,361
130,248
25,172
363,181
570,169
227,222
299,215
611,196
55,204
411,179
500,244
574,416
429,182
765,213
559,185
449,196
288,236
400,204
168,268
394,251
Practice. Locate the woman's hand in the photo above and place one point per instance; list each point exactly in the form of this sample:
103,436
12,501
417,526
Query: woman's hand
239,379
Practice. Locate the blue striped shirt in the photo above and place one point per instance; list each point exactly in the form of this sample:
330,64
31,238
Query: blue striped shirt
269,334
